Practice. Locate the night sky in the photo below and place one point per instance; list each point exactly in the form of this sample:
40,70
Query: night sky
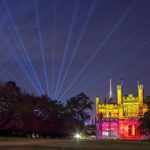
63,47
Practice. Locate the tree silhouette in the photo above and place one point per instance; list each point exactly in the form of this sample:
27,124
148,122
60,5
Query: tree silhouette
10,97
77,107
145,120
28,113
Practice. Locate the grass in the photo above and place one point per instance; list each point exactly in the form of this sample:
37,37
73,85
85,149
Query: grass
48,144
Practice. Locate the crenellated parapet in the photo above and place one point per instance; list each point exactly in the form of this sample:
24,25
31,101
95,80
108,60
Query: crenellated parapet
128,106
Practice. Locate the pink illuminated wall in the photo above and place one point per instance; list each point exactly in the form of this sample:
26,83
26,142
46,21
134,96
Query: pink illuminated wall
125,129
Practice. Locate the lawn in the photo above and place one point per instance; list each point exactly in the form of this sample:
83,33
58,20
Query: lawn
48,144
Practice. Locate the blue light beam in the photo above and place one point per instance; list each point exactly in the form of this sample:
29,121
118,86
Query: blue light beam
78,43
22,44
101,46
12,76
76,8
53,50
11,50
114,52
121,62
41,46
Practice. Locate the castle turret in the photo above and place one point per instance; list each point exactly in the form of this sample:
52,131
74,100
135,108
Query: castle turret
141,94
119,94
97,107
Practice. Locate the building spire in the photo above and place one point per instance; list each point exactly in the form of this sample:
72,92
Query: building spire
121,81
110,89
138,82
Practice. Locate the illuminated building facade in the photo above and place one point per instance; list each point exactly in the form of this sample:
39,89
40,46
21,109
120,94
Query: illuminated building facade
119,119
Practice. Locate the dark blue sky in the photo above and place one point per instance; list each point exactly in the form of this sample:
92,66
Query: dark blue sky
62,47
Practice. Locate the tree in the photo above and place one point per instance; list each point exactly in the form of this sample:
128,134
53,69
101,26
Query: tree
145,120
10,95
77,107
27,106
28,113
145,123
147,101
49,108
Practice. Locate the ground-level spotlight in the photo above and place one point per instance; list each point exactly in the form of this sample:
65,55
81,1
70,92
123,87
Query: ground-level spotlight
78,136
